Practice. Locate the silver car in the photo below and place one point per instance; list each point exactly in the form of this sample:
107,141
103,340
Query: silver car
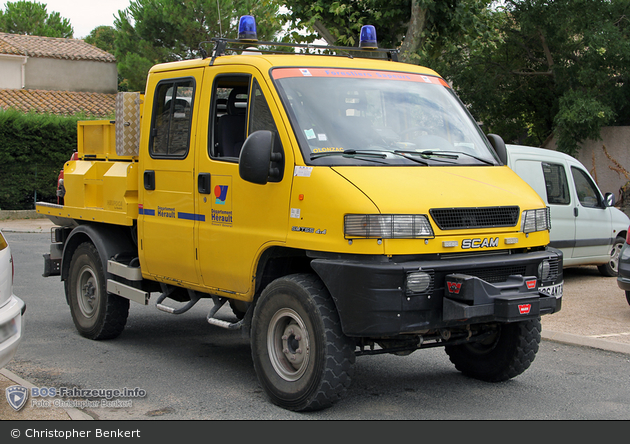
11,307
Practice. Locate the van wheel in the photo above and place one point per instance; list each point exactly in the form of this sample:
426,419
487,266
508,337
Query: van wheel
506,353
302,358
96,313
611,268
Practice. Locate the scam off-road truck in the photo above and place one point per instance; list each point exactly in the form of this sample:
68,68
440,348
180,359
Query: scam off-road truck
343,206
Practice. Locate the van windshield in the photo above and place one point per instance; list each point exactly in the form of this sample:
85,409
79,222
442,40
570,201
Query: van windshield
359,117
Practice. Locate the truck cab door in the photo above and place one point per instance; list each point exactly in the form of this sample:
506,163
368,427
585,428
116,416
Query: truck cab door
238,219
167,192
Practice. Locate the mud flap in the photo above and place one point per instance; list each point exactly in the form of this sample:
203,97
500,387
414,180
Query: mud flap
516,299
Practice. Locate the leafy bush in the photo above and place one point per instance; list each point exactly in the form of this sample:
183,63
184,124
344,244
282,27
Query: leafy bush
33,149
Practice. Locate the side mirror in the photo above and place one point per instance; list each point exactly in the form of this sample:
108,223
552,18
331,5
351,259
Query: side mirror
609,199
499,147
258,163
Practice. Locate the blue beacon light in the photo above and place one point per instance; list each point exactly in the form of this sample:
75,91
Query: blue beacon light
367,38
247,29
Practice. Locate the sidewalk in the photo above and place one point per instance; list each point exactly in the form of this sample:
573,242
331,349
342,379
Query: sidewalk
594,314
36,225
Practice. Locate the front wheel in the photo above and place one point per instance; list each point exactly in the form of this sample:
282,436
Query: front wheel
611,268
507,352
301,356
96,313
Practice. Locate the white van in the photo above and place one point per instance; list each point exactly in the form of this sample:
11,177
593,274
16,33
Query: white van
584,223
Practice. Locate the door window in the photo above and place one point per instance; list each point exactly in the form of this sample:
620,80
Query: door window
172,119
587,191
556,184
228,118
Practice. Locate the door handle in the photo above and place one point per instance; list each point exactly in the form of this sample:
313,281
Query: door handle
575,211
149,180
203,183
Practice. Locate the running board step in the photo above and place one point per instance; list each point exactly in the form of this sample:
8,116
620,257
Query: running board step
166,292
218,303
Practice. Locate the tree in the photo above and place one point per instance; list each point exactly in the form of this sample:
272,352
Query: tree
554,68
422,29
156,31
103,38
32,18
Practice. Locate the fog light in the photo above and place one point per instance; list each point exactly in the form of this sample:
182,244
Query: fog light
419,282
544,269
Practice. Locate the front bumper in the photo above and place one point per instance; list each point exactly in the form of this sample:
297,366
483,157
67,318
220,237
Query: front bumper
373,300
11,328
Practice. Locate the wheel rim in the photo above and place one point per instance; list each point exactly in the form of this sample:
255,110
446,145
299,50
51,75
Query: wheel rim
288,344
87,291
614,256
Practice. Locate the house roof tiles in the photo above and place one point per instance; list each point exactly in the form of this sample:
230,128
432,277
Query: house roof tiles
58,102
52,47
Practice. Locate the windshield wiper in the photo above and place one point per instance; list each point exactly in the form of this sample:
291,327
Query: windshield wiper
352,153
449,155
425,155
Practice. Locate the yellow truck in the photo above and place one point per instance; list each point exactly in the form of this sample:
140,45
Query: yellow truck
343,206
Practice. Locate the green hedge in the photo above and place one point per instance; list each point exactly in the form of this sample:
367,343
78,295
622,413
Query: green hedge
33,149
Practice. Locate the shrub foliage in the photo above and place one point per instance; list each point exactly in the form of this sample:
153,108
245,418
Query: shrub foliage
33,149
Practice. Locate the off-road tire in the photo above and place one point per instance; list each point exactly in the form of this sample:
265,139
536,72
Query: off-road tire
628,296
295,317
611,268
504,355
96,314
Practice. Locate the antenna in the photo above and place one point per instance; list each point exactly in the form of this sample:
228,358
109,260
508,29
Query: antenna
219,12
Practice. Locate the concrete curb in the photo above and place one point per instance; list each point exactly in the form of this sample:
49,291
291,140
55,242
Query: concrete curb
585,341
74,414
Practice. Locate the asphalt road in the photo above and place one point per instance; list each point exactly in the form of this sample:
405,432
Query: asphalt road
191,370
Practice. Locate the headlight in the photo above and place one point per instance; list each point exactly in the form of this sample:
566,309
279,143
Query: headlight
387,226
536,220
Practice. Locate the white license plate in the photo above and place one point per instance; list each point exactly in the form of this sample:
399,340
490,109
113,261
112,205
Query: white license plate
552,290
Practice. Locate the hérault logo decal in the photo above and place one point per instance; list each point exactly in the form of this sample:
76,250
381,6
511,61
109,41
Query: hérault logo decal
17,396
220,192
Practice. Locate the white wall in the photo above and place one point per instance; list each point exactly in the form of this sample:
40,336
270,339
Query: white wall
608,160
71,75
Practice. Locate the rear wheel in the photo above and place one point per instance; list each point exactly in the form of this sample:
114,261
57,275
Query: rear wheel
628,296
611,268
96,313
506,353
302,358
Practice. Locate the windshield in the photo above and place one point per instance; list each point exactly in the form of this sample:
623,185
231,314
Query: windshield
358,117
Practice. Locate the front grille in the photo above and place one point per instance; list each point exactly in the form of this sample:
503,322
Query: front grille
496,274
487,217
